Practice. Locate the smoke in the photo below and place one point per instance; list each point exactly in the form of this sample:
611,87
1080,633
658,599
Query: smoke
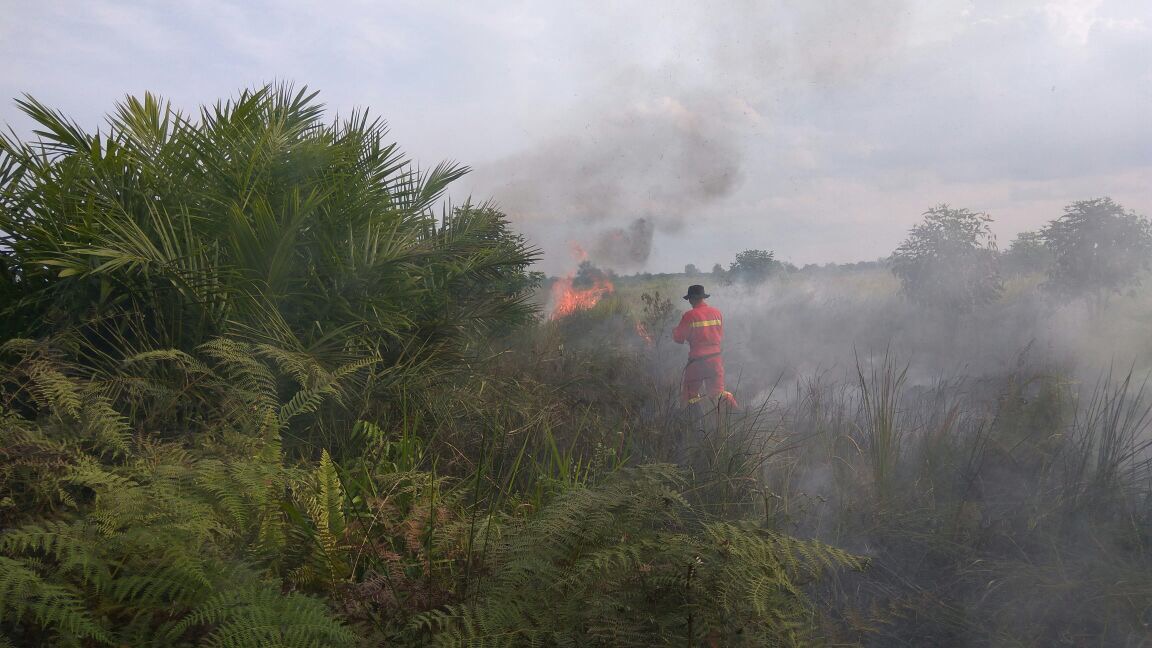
661,146
624,247
800,326
670,141
650,168
1001,410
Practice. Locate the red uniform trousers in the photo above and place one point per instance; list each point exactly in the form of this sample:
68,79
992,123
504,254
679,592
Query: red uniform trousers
703,378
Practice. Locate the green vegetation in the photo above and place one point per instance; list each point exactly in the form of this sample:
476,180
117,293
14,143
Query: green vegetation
1098,248
254,391
260,387
949,260
1094,250
1028,254
753,266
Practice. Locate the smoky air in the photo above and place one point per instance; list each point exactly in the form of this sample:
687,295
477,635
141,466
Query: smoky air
975,421
755,323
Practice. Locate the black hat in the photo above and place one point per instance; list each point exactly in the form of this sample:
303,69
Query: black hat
696,290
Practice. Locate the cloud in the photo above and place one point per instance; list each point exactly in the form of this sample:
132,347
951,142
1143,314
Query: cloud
821,130
1075,21
664,138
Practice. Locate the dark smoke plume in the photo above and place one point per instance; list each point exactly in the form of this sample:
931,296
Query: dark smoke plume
621,247
654,167
662,140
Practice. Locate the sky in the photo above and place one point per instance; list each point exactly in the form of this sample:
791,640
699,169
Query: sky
656,134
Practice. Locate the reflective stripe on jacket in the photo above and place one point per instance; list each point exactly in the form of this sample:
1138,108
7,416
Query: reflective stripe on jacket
702,328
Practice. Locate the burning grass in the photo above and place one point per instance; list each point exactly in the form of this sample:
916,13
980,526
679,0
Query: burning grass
1000,502
569,297
399,455
999,509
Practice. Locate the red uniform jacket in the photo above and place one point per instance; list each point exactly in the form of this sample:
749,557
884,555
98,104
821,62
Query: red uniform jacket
703,329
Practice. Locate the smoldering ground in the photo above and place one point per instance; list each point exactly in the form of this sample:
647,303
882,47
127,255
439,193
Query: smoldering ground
808,323
993,463
976,483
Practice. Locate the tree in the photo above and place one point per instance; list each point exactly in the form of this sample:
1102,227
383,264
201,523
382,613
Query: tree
753,266
719,275
1028,253
588,275
691,270
949,260
1097,248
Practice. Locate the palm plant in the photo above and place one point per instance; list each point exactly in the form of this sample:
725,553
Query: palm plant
254,219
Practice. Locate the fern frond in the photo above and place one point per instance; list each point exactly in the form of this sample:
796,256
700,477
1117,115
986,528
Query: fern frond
300,366
253,617
184,360
628,562
107,429
244,371
305,401
24,594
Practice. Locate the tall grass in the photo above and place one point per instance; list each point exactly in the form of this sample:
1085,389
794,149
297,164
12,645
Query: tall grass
880,392
292,406
998,509
1110,430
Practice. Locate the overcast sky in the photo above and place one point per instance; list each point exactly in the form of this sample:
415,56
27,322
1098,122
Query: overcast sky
655,134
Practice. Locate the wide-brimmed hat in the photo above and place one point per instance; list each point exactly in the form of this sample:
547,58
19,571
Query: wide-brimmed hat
696,290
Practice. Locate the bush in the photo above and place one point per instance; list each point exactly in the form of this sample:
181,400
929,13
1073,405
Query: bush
949,260
256,220
1098,248
112,537
628,563
1028,253
753,266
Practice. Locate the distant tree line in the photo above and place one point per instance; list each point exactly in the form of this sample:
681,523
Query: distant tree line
750,267
1095,249
950,259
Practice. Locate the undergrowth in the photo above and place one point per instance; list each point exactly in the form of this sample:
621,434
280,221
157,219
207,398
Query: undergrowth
121,532
254,391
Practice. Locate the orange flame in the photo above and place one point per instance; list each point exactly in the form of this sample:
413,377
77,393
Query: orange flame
569,299
642,331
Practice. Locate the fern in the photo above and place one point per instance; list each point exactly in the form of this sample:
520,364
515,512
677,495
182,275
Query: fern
323,506
255,616
245,372
630,563
40,365
26,595
153,530
75,406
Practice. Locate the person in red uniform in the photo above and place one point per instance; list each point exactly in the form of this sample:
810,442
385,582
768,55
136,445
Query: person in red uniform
702,328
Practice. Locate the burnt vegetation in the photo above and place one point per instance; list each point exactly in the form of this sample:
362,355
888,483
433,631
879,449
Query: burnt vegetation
260,385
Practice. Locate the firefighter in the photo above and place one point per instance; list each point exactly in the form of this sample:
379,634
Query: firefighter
702,328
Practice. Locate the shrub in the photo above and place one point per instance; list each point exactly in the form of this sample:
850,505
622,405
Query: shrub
629,563
949,260
254,220
753,266
1098,248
